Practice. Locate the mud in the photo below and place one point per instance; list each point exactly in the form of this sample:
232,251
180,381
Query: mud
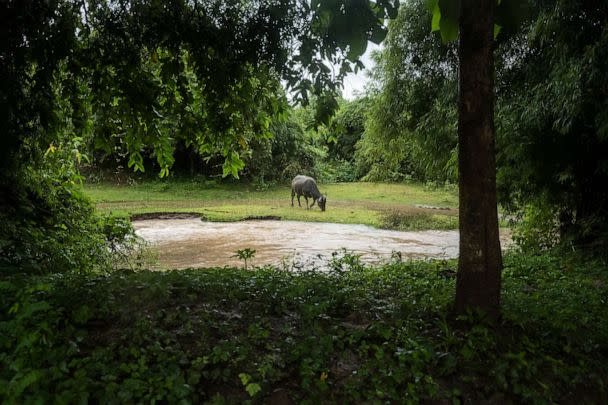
190,242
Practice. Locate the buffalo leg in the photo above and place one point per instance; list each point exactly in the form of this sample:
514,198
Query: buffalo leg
292,195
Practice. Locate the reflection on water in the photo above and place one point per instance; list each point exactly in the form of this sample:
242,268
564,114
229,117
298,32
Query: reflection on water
183,243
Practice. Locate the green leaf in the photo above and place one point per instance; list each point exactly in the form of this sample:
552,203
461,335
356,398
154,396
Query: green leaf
436,18
449,30
136,161
245,378
497,29
253,389
378,34
431,5
232,164
510,14
358,45
392,10
18,385
450,9
450,16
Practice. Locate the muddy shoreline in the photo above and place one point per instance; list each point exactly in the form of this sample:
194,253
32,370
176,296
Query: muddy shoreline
194,215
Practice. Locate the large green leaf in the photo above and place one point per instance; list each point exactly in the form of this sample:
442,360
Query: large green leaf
358,45
430,5
450,16
449,29
436,17
378,34
511,14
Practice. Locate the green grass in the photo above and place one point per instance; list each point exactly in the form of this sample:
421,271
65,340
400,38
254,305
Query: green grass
364,335
360,203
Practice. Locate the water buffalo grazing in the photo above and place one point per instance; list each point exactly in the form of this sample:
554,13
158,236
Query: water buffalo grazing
306,186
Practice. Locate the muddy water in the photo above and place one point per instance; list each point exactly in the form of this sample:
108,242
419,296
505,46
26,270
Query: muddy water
183,243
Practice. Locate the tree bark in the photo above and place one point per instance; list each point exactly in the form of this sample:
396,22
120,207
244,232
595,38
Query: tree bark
480,263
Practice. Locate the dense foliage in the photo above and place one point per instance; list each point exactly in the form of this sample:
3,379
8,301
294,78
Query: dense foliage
287,153
410,131
354,334
149,72
550,117
346,128
553,122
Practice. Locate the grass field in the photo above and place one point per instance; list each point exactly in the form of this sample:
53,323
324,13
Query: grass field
395,206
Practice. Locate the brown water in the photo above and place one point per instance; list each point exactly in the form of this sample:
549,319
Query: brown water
183,243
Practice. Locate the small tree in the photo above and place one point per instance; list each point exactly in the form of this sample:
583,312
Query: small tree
245,254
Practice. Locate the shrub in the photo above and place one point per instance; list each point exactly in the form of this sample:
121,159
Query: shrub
49,228
417,220
537,229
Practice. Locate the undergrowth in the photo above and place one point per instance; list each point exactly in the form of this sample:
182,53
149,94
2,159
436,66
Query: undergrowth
417,220
353,334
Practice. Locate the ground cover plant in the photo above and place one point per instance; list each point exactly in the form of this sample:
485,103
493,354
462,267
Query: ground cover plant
353,334
390,205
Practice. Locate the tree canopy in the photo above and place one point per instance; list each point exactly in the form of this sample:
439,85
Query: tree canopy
138,60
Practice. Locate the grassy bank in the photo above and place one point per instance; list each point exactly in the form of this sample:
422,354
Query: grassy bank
395,206
364,335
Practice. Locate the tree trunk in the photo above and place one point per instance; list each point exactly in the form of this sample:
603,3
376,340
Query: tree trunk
479,266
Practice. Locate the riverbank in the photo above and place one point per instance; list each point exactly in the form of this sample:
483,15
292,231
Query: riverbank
381,205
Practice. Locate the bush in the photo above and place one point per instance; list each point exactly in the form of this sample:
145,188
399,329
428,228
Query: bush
417,220
282,157
328,171
536,229
49,227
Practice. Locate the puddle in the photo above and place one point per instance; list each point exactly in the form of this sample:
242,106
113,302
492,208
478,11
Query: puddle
183,243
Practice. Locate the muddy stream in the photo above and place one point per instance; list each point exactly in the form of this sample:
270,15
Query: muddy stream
183,243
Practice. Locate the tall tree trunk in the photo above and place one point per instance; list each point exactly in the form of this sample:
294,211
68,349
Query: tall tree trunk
479,266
